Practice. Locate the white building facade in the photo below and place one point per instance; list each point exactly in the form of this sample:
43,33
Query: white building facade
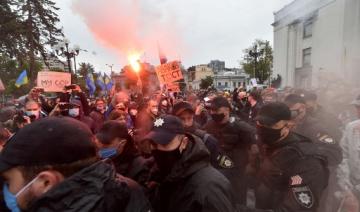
229,80
314,39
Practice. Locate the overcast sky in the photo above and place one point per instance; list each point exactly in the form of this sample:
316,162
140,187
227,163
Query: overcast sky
206,29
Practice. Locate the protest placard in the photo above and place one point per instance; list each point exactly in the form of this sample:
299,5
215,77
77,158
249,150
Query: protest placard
53,81
174,87
169,72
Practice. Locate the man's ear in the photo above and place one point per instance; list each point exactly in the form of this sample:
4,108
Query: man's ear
46,181
184,144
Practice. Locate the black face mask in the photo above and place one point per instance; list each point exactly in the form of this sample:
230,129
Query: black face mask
165,160
267,135
218,117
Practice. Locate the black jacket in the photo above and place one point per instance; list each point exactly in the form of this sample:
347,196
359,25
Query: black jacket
132,165
292,175
193,185
95,188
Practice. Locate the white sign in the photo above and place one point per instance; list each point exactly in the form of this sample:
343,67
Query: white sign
53,81
253,82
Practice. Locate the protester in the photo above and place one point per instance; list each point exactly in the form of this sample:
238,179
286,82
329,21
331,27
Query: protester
98,115
133,112
114,142
5,134
187,181
147,116
164,106
255,103
185,112
52,165
235,139
33,110
349,171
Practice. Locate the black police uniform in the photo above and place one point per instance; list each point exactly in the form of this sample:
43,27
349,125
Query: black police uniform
320,133
292,176
234,139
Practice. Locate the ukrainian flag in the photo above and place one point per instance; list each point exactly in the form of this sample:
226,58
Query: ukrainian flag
108,82
90,84
100,82
22,79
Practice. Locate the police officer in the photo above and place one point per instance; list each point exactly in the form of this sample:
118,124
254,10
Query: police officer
320,133
293,171
304,124
327,119
186,180
235,139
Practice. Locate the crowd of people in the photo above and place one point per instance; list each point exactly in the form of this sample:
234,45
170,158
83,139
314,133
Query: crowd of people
256,150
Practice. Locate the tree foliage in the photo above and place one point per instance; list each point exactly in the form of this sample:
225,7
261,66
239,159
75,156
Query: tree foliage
10,70
258,60
206,83
28,28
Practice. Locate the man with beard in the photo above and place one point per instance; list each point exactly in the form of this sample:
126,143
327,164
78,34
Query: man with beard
98,115
187,181
293,171
52,165
186,113
235,139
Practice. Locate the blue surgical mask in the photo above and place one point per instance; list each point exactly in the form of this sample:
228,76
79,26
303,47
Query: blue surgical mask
10,198
107,152
74,112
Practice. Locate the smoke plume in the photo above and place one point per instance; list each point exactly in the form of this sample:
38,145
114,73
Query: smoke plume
132,26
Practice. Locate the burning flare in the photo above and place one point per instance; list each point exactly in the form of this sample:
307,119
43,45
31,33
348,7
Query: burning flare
134,60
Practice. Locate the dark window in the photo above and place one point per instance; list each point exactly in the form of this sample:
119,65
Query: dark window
219,83
308,28
307,57
226,84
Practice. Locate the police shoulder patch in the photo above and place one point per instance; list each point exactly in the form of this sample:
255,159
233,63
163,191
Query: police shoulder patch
303,196
325,138
226,162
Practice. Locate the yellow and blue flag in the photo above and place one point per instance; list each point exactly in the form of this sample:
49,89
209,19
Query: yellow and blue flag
100,82
108,82
22,79
90,84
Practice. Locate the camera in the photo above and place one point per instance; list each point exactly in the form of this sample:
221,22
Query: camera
70,87
39,90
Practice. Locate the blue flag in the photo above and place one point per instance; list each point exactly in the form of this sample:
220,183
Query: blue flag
22,79
100,82
108,82
90,84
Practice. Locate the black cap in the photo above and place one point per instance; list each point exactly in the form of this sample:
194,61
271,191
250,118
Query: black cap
111,130
164,129
49,141
271,113
181,107
219,102
293,99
